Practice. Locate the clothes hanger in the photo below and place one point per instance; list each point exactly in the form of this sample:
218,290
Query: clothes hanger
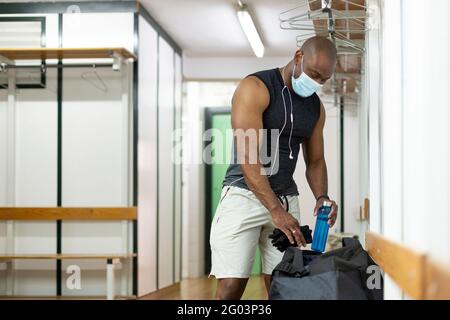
295,18
97,82
295,13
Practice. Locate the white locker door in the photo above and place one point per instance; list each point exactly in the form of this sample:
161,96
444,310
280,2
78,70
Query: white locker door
166,168
148,157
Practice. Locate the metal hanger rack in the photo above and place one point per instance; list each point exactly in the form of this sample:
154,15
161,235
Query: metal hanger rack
337,25
9,58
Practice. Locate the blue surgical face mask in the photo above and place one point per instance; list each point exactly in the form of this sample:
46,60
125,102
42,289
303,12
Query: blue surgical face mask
304,85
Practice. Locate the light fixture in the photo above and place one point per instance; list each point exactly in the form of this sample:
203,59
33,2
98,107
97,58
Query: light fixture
249,28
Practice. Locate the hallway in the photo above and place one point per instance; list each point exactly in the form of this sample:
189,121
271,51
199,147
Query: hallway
121,176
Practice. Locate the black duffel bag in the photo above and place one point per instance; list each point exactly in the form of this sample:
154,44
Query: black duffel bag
340,274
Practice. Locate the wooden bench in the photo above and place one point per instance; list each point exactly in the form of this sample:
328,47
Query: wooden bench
126,215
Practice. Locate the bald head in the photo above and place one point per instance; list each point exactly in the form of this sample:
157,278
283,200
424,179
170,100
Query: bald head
318,57
319,45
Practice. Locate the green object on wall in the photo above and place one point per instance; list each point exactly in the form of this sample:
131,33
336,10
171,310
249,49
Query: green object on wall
221,147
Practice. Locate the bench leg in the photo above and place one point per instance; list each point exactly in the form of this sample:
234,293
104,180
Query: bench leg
125,273
110,279
9,278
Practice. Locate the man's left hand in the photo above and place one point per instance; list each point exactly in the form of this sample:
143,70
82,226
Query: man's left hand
334,210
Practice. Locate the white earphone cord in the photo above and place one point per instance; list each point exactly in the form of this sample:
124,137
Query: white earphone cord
282,129
292,127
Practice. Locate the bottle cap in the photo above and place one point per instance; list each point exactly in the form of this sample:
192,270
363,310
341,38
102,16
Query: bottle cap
327,204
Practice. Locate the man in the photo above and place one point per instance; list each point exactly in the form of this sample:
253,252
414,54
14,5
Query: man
253,204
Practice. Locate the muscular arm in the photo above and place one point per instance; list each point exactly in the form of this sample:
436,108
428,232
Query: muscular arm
249,102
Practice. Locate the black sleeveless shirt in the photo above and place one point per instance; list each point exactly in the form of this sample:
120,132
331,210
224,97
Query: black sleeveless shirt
306,112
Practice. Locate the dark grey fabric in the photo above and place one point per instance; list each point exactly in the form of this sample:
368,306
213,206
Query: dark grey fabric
332,285
319,287
336,275
306,112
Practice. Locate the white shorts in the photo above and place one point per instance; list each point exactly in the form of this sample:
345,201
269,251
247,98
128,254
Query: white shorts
240,224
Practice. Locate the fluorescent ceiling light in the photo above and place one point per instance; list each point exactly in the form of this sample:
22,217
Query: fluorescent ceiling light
247,24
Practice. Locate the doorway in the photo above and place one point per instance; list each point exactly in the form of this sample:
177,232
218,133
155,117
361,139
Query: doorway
218,119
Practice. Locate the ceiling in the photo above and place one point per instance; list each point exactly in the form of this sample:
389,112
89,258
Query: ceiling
210,28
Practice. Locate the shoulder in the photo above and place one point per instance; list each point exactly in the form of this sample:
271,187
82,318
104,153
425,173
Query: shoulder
317,104
316,101
267,77
321,115
252,90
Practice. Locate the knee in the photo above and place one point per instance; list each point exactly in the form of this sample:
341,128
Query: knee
230,289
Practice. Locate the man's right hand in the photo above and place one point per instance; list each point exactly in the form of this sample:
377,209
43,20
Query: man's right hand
284,221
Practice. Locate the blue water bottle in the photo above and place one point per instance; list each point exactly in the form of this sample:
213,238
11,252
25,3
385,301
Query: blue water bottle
321,228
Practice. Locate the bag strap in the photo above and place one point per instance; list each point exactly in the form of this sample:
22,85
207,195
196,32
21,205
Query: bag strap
350,242
298,257
292,263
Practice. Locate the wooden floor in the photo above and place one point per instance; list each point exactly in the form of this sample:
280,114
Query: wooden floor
205,289
64,298
189,289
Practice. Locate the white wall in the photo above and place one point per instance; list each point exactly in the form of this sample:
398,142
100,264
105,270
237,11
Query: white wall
95,171
227,68
382,55
371,102
95,137
35,182
426,133
111,30
177,154
413,121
